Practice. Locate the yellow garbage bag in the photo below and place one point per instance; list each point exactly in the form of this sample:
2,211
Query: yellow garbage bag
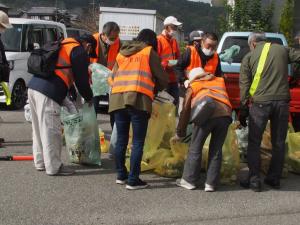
230,159
294,152
161,126
171,164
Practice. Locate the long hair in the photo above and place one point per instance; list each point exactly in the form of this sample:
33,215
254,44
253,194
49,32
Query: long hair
149,37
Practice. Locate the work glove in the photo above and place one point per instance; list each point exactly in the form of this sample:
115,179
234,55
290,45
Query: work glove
243,115
176,139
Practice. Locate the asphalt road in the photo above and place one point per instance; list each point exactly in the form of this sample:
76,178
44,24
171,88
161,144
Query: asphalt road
92,197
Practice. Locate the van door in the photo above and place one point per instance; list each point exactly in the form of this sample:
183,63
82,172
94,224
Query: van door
52,33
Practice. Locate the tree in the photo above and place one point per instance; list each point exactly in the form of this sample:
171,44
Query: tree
287,20
248,16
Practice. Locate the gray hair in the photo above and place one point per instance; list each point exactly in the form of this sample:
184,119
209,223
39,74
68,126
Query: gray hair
256,37
110,27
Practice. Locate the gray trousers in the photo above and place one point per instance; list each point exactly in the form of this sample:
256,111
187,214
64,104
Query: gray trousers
278,113
218,128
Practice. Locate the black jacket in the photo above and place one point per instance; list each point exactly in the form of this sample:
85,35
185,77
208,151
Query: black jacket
4,76
55,88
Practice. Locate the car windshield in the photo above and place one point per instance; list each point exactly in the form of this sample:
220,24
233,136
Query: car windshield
11,38
237,47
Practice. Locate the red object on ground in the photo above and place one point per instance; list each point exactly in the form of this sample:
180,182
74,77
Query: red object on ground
22,158
17,158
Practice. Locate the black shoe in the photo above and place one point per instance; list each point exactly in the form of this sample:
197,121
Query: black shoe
136,185
272,183
254,185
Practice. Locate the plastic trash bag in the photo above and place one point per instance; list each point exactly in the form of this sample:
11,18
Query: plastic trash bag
242,139
27,112
171,163
82,136
228,54
230,158
293,140
100,74
161,126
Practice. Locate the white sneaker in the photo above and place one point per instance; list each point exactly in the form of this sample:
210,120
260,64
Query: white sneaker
183,183
121,182
209,188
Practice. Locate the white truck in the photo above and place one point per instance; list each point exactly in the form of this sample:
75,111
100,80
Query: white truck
132,21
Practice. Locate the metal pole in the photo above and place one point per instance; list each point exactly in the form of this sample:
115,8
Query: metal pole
56,10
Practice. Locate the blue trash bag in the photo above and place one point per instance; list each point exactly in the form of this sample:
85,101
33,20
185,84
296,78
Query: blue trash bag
82,136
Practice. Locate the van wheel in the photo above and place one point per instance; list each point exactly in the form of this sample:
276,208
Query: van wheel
19,95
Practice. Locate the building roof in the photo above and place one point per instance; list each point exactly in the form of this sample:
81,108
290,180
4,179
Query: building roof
15,13
127,10
4,6
42,11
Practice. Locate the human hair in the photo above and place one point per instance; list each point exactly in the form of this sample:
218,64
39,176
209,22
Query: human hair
149,37
210,35
110,27
256,37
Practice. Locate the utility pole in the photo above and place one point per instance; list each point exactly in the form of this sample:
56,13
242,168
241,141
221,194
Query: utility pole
56,10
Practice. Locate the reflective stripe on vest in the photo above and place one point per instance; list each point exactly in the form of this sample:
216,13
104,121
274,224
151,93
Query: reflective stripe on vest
168,52
168,49
64,60
215,89
112,52
260,68
134,74
195,61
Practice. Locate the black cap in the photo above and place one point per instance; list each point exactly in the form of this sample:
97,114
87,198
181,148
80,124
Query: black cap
91,40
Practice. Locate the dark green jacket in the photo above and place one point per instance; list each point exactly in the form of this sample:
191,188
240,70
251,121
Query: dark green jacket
134,99
274,79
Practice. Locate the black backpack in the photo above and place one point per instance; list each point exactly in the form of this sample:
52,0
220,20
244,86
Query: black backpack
42,61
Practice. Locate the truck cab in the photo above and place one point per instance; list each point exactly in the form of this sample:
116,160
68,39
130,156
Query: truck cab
231,69
19,41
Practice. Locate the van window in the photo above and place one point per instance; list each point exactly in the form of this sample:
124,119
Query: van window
242,42
36,35
11,38
50,35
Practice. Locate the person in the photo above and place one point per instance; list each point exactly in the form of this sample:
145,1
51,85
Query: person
108,46
200,53
265,95
47,95
137,76
204,82
168,49
4,66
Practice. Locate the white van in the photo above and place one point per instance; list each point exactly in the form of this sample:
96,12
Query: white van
19,41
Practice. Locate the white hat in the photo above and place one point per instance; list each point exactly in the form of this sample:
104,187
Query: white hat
172,20
4,21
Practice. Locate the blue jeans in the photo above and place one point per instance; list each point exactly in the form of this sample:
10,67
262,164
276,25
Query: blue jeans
139,120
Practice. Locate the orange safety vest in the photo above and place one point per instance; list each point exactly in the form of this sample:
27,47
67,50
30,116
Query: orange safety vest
64,65
134,74
215,89
168,52
195,61
112,53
